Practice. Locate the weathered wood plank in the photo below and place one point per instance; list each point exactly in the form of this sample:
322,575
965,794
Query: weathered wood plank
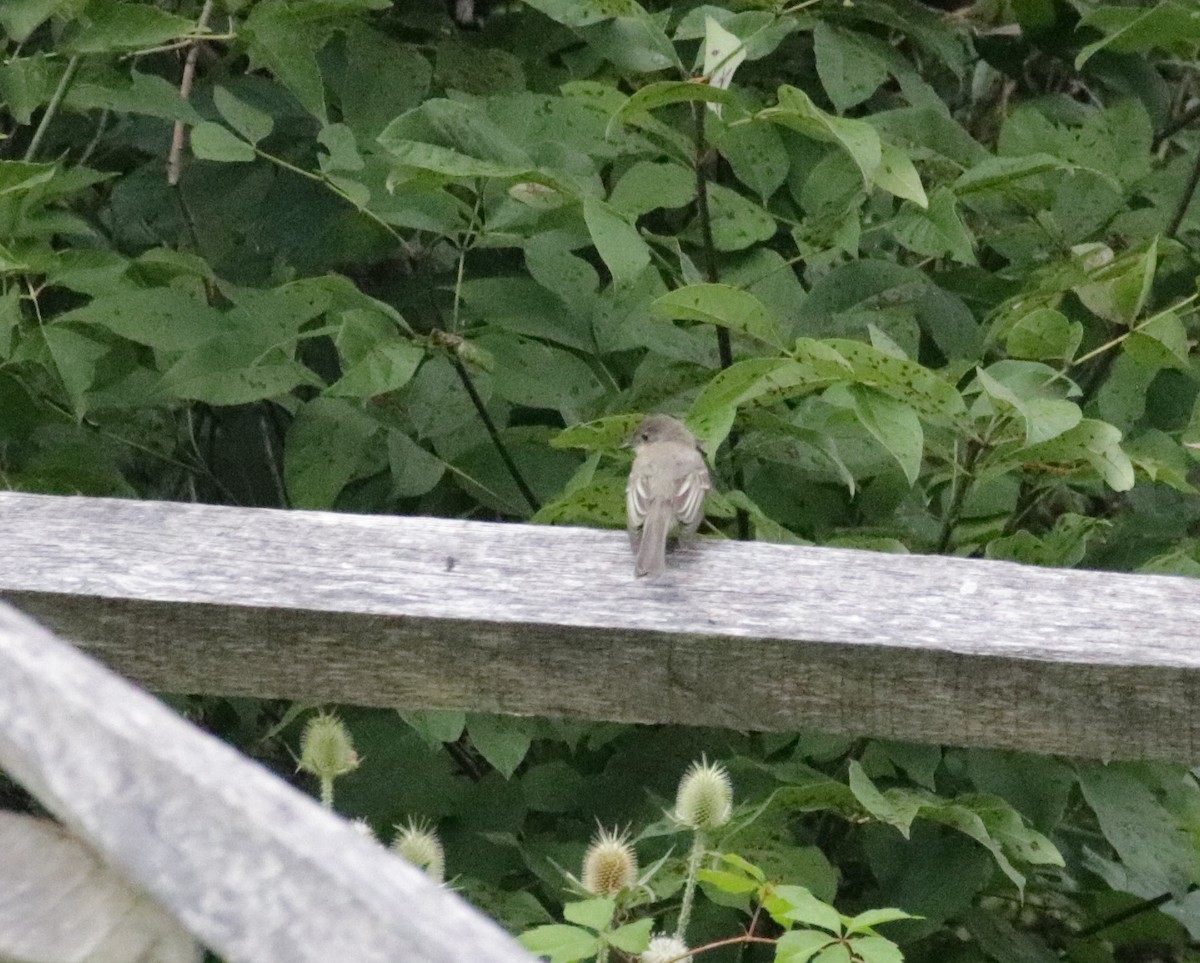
250,866
422,612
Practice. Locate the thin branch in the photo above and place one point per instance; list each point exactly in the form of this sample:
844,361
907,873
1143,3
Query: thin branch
724,347
493,432
958,495
1186,200
1145,906
64,84
1175,126
175,157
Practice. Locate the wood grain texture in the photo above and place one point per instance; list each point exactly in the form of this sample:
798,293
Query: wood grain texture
424,612
253,868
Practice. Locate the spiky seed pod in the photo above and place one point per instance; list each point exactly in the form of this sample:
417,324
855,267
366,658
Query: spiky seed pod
666,949
326,749
610,864
420,845
704,800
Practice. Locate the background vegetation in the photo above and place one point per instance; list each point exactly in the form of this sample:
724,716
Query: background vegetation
921,280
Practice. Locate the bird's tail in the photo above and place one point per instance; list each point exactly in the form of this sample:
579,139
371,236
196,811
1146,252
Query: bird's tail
652,552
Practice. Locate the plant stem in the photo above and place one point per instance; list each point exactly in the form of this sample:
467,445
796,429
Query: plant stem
1186,200
64,84
699,845
724,347
958,495
518,479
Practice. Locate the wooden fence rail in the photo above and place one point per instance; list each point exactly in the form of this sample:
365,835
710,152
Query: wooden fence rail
422,612
251,867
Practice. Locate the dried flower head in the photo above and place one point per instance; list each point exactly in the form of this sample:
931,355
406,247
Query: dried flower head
610,864
666,949
419,844
326,749
704,799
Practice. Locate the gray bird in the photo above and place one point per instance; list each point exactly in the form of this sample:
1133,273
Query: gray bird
666,489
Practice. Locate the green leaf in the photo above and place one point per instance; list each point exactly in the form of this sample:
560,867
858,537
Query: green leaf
800,946
867,920
20,18
617,240
604,434
715,408
583,13
1044,418
897,175
728,882
560,943
213,142
850,67
414,470
875,949
1119,288
1148,839
632,938
724,52
722,305
1097,443
503,741
894,424
998,174
20,176
664,92
796,110
110,26
1170,26
166,319
27,83
835,953
1161,342
436,726
755,153
443,160
737,222
595,914
650,185
529,372
280,41
937,231
897,808
1044,335
146,94
252,123
324,450
597,502
795,904
76,354
381,79
932,397
386,367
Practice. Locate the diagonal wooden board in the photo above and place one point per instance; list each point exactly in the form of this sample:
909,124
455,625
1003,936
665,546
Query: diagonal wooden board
250,866
434,613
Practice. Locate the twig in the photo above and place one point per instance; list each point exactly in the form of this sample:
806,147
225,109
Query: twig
724,347
175,157
1175,126
958,495
1145,906
64,84
1185,201
493,433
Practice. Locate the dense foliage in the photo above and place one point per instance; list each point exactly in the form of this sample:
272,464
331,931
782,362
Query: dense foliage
920,281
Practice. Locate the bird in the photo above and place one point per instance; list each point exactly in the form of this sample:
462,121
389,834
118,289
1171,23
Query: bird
665,494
